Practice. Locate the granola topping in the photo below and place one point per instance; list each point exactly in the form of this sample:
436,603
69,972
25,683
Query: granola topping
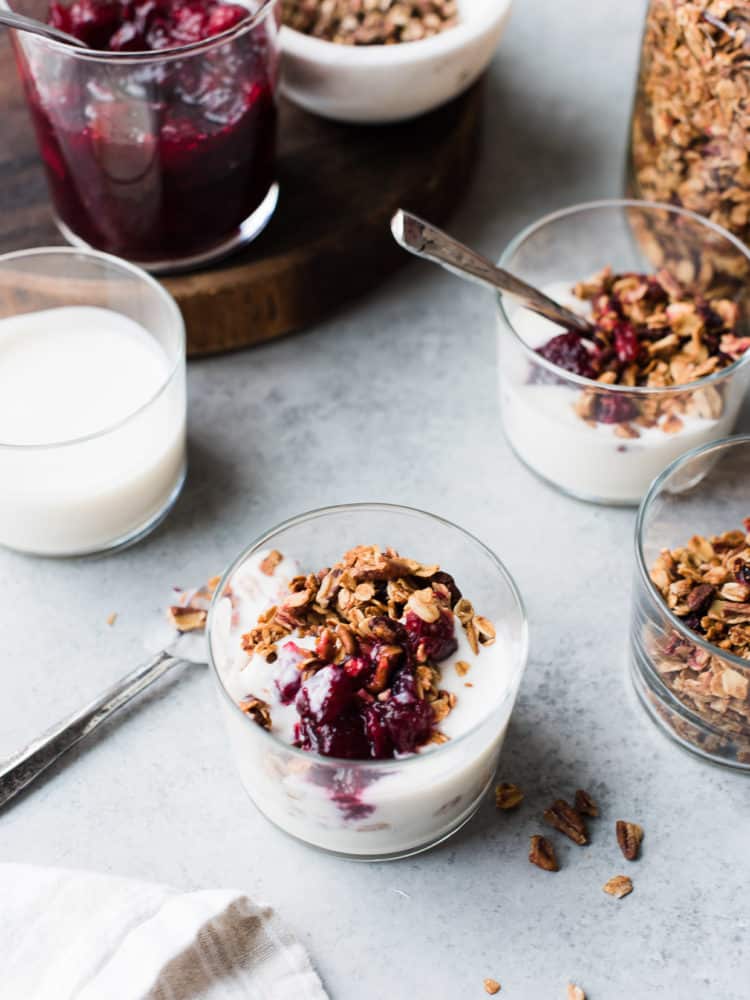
355,649
491,986
649,331
706,583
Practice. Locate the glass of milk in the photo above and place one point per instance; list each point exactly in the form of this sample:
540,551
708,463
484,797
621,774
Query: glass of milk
541,403
92,402
377,809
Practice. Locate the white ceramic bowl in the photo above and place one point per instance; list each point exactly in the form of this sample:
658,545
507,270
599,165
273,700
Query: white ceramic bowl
387,83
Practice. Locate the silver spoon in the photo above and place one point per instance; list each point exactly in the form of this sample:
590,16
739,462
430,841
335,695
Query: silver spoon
425,240
22,23
25,766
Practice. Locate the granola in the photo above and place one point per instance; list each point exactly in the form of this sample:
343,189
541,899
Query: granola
370,22
691,114
491,986
357,647
706,583
575,992
649,331
618,886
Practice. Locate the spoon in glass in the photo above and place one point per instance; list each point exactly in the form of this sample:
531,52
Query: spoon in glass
425,240
22,23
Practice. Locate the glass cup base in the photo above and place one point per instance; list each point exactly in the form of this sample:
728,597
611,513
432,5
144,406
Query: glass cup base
123,541
406,852
246,232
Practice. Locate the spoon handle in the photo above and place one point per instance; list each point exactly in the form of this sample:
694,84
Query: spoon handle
22,23
19,770
425,240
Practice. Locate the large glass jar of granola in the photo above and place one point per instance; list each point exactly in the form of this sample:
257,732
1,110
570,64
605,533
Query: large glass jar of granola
690,131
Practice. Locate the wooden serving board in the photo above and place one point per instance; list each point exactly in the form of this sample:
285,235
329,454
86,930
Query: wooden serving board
329,239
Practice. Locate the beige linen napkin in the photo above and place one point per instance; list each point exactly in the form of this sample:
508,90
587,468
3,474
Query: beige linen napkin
67,935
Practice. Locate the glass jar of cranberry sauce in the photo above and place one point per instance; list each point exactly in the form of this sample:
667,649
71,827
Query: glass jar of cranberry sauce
158,141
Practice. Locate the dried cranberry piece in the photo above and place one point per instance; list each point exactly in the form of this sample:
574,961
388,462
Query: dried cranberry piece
627,344
568,351
437,638
614,409
447,581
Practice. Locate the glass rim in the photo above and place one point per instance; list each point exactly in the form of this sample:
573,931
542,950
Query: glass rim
153,284
581,380
154,55
722,444
519,665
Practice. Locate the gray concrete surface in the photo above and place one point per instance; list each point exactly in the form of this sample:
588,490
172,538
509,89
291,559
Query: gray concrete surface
395,399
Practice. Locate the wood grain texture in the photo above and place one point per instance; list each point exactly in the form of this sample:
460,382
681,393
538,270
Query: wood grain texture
329,239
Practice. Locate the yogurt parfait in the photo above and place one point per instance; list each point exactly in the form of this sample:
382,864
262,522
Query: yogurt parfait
366,698
664,370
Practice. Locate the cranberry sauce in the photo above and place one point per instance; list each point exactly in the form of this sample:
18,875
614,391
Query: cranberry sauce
369,706
159,159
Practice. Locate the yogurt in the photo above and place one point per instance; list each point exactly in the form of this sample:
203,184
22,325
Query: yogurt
373,808
91,448
587,460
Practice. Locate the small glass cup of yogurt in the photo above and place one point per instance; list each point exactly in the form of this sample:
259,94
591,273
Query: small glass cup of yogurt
595,440
690,624
364,808
92,402
158,140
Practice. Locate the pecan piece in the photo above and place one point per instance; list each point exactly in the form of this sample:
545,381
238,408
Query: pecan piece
584,804
542,854
629,837
618,886
271,561
567,820
258,711
188,619
508,795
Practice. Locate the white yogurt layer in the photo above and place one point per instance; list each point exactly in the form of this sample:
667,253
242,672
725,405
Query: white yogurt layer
399,805
590,462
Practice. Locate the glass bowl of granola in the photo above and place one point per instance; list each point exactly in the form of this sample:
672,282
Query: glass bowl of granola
666,366
690,627
368,658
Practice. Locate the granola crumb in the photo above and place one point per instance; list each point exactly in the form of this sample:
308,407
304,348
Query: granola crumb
491,986
575,992
269,565
112,618
542,854
462,668
188,619
618,886
508,795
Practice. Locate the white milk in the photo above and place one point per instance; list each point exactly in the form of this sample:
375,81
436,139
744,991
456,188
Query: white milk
92,438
